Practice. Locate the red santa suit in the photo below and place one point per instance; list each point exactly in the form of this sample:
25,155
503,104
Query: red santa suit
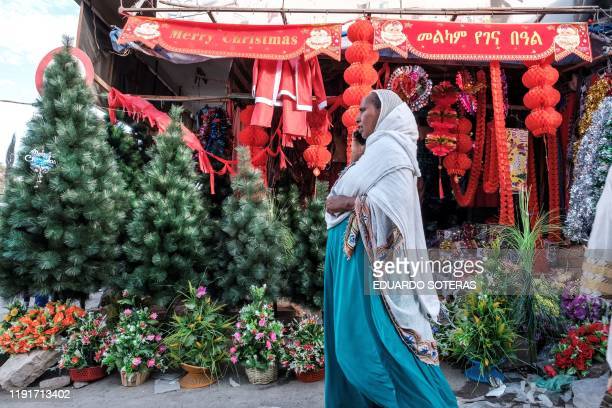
290,84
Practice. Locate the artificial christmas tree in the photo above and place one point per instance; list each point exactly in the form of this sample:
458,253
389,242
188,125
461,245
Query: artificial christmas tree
307,223
64,201
170,229
255,247
130,147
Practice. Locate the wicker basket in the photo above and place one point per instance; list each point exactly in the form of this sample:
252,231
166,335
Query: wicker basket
87,374
135,379
262,377
311,376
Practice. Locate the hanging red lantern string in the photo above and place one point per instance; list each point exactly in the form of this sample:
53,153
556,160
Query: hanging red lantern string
544,120
458,162
316,155
506,201
467,199
566,126
360,75
443,119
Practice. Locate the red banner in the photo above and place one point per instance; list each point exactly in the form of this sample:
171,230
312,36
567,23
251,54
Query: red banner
482,42
275,42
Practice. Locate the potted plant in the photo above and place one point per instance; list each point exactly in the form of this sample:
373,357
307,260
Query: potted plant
83,350
303,350
198,339
484,335
257,339
136,345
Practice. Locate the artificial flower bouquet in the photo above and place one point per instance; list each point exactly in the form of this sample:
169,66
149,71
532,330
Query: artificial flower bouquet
257,339
577,351
16,309
39,328
135,347
303,346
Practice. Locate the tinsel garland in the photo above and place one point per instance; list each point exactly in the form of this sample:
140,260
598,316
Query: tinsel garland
596,93
605,158
467,199
506,201
584,194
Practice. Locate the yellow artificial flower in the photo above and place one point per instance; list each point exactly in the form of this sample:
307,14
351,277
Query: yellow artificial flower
14,312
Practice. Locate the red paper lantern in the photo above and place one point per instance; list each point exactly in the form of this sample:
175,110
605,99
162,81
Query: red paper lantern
319,136
354,94
543,121
253,136
349,117
361,30
318,119
246,114
464,143
317,158
361,51
541,96
464,125
358,73
456,164
259,156
538,75
444,94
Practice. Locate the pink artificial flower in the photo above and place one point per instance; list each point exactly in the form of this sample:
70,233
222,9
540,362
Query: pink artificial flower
262,322
201,291
259,336
158,338
127,312
136,361
125,293
238,325
143,325
237,336
233,350
162,348
150,337
234,359
151,363
86,340
273,336
153,316
268,344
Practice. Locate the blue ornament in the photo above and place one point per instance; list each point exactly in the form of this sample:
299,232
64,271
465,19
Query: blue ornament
40,163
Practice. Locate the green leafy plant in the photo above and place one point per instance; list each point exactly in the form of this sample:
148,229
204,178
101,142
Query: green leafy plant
523,240
484,331
87,341
257,339
136,344
199,336
303,346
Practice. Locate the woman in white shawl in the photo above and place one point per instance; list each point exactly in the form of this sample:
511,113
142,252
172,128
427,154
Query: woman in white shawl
379,346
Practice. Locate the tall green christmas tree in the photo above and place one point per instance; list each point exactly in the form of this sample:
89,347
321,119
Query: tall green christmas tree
130,144
64,202
306,219
169,234
255,247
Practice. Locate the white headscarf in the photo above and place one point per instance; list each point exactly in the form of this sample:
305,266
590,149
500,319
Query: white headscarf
385,180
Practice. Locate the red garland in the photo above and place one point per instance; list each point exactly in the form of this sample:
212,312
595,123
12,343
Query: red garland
490,183
506,211
467,199
534,207
553,185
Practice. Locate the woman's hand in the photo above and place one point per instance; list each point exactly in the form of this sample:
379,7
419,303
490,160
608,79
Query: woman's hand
339,204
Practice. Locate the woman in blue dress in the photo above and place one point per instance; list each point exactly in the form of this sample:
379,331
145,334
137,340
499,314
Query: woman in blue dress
379,346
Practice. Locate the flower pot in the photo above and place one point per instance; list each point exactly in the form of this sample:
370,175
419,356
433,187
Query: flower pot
134,379
87,374
197,377
310,376
256,376
474,374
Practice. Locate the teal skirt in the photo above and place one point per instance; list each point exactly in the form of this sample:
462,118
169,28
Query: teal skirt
366,362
